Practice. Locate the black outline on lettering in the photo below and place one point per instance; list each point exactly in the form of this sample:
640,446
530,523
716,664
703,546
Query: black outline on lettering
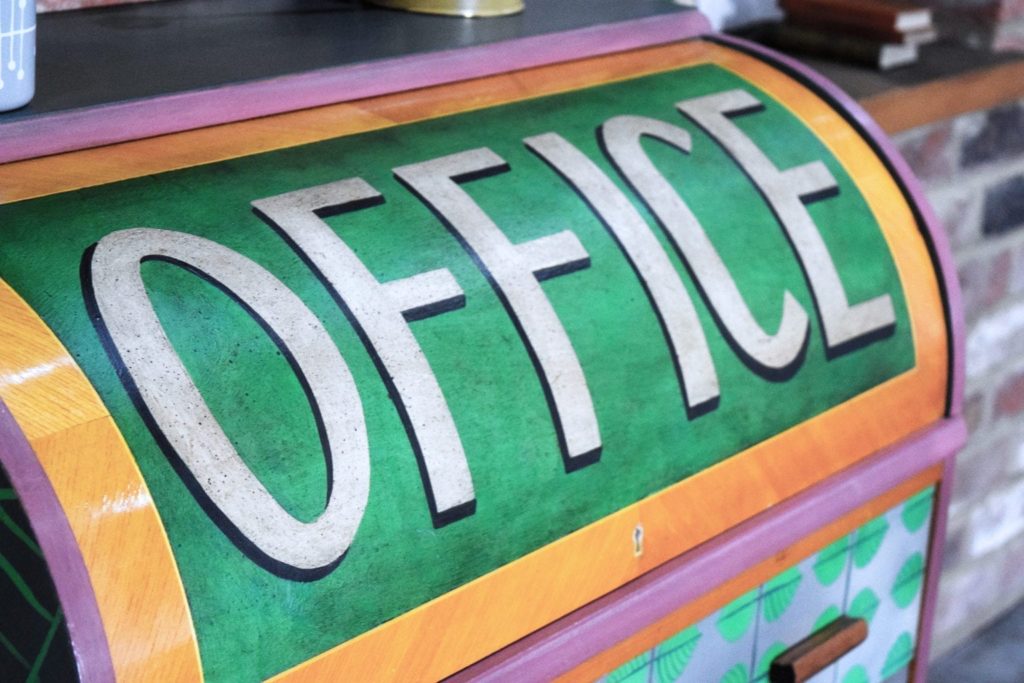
859,342
783,374
566,268
691,412
438,518
570,463
807,199
869,137
454,303
242,542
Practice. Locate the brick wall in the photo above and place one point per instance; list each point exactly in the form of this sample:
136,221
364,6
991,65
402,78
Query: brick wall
973,171
983,23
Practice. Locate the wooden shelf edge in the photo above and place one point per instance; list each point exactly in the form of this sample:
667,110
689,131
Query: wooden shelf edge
903,108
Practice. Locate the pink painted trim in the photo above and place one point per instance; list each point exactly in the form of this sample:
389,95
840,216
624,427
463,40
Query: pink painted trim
64,559
931,590
83,128
939,239
574,639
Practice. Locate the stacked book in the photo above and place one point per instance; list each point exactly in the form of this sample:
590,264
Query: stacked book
878,33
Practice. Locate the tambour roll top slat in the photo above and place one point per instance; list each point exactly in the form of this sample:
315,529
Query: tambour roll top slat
528,346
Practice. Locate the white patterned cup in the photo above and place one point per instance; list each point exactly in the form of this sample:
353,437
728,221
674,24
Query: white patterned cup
17,53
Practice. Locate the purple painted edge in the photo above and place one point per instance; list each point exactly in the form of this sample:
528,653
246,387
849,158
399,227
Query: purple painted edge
63,557
572,640
931,594
937,236
106,124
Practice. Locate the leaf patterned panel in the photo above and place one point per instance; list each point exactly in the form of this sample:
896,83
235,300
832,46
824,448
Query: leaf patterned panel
721,647
798,602
875,573
887,590
718,649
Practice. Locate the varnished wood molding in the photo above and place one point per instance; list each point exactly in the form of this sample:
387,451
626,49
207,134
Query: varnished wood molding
901,109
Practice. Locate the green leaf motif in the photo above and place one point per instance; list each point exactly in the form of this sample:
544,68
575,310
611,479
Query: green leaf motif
831,562
857,674
917,510
864,605
737,674
869,540
779,593
766,660
908,581
674,654
900,654
830,614
633,671
736,618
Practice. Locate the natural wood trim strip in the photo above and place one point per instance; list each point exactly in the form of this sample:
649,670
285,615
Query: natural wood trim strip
901,109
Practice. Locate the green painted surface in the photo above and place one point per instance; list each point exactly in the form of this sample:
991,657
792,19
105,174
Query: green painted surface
525,499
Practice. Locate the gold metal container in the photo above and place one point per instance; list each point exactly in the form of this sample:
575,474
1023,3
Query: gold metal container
458,8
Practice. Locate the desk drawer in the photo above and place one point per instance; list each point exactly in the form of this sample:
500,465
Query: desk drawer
875,573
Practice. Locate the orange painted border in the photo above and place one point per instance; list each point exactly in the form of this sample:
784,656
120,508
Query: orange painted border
134,576
460,627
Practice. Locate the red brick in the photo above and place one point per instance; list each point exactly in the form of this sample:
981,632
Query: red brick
1016,285
932,154
978,473
1010,399
999,278
974,412
956,210
1010,9
984,282
1009,36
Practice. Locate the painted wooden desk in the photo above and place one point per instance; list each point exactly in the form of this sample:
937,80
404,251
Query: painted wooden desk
626,353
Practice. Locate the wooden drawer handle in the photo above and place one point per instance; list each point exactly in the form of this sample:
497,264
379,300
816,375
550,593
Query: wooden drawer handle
817,651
